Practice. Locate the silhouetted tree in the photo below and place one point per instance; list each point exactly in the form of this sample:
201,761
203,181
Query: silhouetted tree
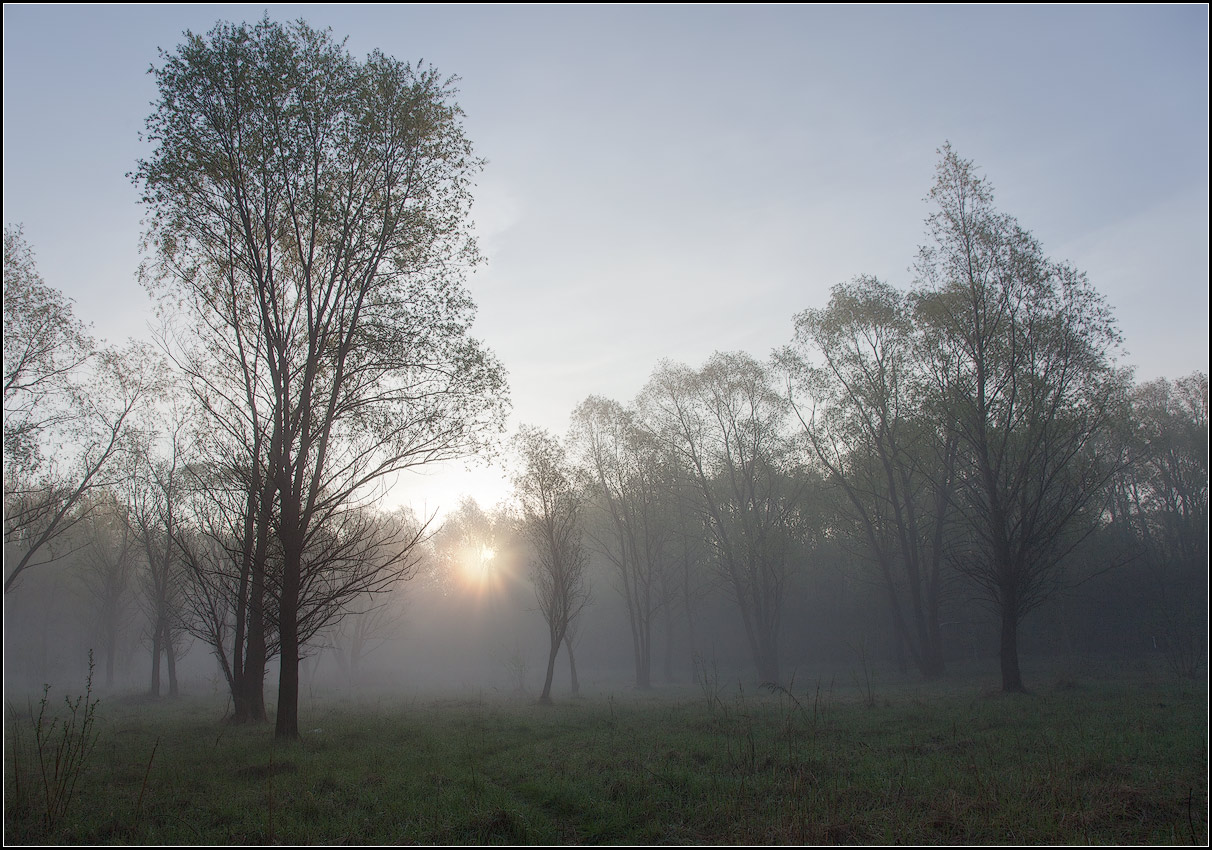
1021,353
550,520
155,496
320,204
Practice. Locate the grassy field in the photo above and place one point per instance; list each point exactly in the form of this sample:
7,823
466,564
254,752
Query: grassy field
1098,760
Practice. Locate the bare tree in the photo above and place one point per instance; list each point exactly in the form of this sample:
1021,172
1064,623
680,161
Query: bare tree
551,517
229,558
1022,355
327,200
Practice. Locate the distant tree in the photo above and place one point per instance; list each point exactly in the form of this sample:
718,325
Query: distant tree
155,496
108,563
1162,496
628,478
867,418
311,211
370,622
66,410
689,575
463,543
728,427
551,513
1022,355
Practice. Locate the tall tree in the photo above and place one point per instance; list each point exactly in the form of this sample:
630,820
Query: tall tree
551,521
1022,355
322,203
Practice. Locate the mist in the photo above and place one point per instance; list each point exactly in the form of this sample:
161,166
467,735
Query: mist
821,498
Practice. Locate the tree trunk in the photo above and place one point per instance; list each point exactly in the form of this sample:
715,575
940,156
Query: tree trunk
572,666
287,726
545,697
1012,679
154,690
170,656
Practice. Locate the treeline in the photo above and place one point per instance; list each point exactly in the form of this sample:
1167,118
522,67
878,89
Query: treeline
971,440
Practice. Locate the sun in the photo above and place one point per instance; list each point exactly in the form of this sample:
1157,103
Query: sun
477,564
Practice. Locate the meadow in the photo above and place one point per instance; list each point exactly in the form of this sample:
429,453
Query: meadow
1111,758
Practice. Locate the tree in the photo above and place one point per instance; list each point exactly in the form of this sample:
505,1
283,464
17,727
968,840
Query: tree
465,544
551,516
108,564
228,557
727,425
44,345
60,391
868,422
629,479
1022,354
155,494
310,211
1162,495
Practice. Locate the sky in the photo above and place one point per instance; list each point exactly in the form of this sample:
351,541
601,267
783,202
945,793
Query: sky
664,182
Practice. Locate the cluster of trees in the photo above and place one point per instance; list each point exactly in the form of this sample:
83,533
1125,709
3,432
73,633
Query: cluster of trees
976,426
308,237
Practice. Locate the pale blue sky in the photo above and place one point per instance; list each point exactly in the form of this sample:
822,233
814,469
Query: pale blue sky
666,181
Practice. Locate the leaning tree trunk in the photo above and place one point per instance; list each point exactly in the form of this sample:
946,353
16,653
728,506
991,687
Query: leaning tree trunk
545,697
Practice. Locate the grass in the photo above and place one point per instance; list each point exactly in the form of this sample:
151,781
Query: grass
1101,761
